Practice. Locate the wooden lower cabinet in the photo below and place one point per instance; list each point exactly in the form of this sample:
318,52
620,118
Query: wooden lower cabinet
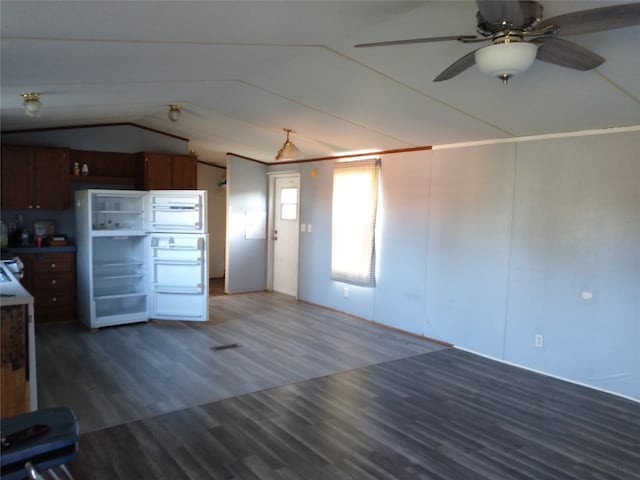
14,367
51,279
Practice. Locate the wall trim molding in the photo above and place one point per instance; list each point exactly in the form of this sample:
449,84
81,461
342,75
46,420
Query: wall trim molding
545,136
337,157
99,125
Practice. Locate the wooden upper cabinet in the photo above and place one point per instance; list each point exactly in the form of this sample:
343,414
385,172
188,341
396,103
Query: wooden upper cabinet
51,178
185,172
15,177
35,177
114,168
170,171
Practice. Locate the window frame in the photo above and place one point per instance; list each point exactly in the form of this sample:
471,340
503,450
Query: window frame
355,198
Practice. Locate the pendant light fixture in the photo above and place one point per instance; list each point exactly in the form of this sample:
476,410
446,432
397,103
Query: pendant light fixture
288,151
31,104
174,112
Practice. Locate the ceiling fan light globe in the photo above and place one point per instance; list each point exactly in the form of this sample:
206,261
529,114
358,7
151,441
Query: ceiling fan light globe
506,59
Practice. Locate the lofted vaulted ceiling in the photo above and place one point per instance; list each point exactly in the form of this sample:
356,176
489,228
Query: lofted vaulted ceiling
243,70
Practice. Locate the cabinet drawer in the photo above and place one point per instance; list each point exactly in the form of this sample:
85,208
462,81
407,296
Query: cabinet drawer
55,314
49,262
45,282
52,298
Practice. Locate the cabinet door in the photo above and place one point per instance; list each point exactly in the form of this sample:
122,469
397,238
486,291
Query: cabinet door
16,183
50,178
185,172
158,171
14,371
34,177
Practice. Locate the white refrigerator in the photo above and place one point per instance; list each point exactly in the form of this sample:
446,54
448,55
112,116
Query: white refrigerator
141,255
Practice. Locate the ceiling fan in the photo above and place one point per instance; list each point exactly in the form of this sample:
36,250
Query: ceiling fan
518,36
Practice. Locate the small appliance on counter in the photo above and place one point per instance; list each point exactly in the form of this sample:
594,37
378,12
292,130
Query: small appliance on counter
14,264
57,241
43,230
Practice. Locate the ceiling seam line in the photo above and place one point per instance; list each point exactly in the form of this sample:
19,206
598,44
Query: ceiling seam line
162,42
617,86
420,92
377,132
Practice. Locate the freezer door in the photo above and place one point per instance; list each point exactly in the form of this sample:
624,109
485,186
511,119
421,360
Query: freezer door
179,277
177,211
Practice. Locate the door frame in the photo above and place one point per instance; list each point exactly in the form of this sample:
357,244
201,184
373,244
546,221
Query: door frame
271,220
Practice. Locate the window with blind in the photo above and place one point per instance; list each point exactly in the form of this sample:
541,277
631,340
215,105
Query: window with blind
355,205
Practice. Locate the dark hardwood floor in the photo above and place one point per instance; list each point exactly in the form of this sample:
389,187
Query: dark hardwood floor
251,342
406,409
216,286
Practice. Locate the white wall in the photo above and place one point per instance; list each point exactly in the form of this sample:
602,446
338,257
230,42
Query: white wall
108,138
486,246
209,177
246,262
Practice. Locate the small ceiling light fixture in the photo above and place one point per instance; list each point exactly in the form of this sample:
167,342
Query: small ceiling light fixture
288,151
31,104
506,59
174,112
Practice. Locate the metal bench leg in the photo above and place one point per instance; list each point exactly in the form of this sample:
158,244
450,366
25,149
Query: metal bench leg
53,473
32,473
66,471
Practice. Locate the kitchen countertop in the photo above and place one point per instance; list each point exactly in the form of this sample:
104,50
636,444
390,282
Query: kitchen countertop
61,249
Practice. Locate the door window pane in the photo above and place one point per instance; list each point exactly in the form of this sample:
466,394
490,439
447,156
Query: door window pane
289,195
288,211
288,204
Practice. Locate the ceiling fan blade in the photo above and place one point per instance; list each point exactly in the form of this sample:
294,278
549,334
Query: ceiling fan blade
500,11
457,67
460,38
596,19
566,54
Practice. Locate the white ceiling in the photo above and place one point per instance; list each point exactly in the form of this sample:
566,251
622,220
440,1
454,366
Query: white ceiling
243,70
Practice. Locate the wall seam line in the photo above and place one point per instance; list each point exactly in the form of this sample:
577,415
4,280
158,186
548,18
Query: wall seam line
508,279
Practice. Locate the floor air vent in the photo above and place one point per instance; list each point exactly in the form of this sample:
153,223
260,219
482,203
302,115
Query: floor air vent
225,347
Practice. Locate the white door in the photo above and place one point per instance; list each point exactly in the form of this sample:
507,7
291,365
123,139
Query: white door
285,235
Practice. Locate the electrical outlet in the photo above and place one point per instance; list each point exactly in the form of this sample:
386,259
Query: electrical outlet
345,292
539,341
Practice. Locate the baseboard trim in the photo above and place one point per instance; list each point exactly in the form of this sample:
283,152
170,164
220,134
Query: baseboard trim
547,374
372,322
